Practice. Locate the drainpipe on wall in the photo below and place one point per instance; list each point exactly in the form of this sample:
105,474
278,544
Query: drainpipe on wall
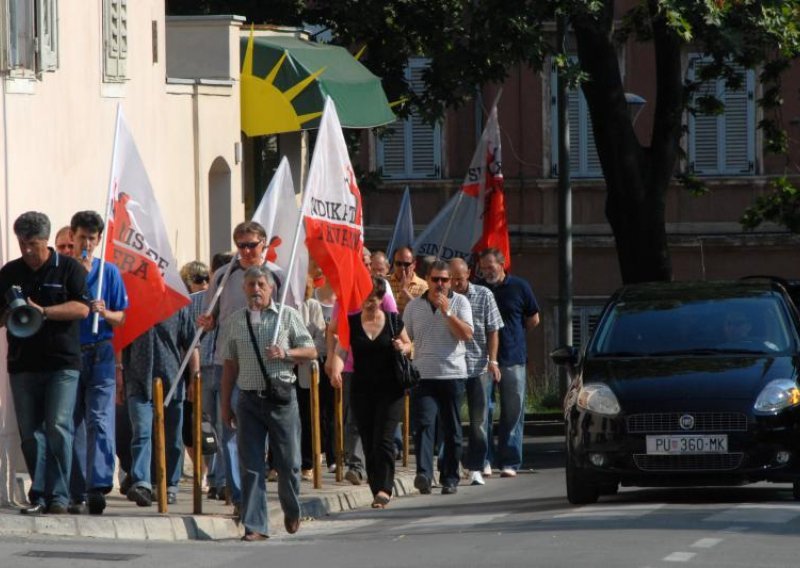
6,218
198,223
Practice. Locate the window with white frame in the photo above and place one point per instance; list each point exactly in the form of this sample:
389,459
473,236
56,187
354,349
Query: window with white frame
583,159
115,40
413,148
584,320
29,35
723,144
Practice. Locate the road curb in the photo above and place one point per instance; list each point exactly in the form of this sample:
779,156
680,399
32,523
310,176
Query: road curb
176,528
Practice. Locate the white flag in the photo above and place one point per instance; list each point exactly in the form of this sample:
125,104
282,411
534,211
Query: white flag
279,214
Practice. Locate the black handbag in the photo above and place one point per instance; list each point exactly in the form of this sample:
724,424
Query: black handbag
277,391
405,373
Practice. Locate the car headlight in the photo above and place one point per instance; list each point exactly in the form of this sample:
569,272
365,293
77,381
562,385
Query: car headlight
777,395
598,398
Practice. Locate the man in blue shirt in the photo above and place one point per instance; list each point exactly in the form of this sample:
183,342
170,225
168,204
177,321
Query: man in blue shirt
520,313
94,448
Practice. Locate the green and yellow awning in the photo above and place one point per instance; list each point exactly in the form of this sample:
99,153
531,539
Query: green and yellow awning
285,80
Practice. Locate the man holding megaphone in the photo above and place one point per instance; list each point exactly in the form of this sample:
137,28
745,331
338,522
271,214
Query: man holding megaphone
43,296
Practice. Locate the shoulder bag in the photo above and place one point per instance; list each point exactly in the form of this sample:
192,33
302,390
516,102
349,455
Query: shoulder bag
405,373
277,391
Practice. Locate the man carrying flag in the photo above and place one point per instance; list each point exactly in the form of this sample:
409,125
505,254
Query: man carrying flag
94,446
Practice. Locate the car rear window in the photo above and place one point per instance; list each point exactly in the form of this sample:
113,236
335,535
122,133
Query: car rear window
729,325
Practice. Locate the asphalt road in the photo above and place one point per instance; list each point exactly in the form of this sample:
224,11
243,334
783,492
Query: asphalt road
523,522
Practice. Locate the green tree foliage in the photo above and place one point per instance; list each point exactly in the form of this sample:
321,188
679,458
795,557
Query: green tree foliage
477,42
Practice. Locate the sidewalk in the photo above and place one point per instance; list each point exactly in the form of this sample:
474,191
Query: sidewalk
123,519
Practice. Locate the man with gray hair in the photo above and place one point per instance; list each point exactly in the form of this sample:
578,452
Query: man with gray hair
44,364
263,370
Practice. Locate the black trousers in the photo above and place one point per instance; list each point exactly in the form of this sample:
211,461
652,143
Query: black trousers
377,416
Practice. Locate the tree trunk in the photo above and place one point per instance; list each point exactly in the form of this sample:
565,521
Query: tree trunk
636,178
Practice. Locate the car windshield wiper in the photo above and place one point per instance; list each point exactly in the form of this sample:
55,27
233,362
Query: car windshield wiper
711,351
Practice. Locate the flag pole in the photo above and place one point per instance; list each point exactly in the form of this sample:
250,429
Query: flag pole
109,201
198,333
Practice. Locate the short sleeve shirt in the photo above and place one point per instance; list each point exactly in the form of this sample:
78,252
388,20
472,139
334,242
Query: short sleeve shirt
114,295
56,346
516,302
485,319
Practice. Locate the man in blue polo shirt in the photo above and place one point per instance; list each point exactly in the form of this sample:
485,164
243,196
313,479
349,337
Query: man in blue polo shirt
520,313
94,448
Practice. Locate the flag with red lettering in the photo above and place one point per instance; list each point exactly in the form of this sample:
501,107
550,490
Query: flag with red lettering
332,218
137,243
475,218
279,214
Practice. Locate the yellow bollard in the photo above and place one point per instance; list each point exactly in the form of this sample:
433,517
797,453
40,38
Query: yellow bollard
160,444
316,438
338,430
197,443
406,426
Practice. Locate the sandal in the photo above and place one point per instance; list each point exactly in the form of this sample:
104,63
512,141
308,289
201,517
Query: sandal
381,500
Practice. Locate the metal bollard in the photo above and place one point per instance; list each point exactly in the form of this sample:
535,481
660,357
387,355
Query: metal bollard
316,438
197,443
406,426
338,429
160,444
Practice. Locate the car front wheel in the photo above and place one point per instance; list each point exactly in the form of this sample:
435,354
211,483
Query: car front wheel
581,490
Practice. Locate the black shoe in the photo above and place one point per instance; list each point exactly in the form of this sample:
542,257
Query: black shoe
221,493
125,485
449,490
77,508
56,509
423,484
37,509
96,502
140,495
212,493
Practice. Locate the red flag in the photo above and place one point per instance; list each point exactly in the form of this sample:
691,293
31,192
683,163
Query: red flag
137,244
495,223
332,217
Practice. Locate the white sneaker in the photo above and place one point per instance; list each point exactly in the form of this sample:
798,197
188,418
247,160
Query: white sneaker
508,472
332,468
476,478
487,470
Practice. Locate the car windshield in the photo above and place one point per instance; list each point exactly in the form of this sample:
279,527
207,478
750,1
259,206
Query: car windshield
703,327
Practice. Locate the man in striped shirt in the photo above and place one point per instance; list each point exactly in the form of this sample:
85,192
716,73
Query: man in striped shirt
439,323
482,367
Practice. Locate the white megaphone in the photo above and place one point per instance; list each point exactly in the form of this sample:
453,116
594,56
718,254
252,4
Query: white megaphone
23,320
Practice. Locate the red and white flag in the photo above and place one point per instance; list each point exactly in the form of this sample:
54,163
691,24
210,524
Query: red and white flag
475,218
279,214
332,216
138,245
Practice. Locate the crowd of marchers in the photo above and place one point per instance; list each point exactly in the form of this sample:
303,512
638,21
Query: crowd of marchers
80,405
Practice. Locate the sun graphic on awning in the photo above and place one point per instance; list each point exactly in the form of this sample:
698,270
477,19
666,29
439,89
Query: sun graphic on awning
265,108
285,81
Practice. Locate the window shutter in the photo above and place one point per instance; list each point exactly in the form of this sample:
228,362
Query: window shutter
584,321
737,130
47,36
116,38
392,151
21,35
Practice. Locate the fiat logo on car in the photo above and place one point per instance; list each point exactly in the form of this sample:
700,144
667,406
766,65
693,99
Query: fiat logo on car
687,422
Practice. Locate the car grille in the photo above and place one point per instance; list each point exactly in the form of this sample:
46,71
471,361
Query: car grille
691,462
659,422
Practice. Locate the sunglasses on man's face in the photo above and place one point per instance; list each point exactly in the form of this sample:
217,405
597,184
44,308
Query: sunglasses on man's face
248,246
440,279
200,279
403,264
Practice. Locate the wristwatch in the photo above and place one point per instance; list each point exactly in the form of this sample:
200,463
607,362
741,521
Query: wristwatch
449,312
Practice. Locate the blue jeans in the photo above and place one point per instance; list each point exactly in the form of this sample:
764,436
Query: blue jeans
442,398
140,410
255,416
478,448
230,449
44,403
211,399
94,448
512,414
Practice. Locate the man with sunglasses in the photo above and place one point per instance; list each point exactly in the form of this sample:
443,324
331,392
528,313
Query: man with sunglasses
250,240
405,284
439,323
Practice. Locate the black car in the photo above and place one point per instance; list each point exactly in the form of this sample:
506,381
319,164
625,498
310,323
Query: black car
685,384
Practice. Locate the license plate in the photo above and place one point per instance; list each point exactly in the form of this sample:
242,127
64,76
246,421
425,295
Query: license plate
688,444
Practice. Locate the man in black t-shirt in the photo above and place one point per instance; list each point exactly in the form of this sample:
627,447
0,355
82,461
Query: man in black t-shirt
44,368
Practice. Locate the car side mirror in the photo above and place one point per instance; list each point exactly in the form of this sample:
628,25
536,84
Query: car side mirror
566,355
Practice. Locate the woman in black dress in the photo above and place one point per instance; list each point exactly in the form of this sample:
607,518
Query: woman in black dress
375,397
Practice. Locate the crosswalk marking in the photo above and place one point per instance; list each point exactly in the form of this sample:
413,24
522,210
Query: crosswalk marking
450,521
679,557
618,511
706,543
